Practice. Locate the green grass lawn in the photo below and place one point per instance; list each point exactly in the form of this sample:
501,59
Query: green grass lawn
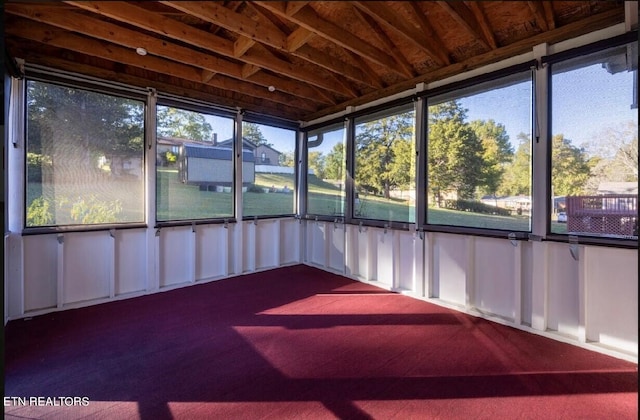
178,201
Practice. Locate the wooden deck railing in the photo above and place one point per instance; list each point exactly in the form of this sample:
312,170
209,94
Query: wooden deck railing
612,214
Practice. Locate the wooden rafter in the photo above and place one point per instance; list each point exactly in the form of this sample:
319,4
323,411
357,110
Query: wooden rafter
467,19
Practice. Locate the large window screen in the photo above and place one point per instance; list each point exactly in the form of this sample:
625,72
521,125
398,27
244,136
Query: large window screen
594,144
269,179
479,156
326,171
385,165
85,157
194,165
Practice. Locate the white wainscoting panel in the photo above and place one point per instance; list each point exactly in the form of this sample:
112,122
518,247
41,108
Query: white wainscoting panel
130,261
87,271
450,268
495,275
41,279
212,248
563,297
176,257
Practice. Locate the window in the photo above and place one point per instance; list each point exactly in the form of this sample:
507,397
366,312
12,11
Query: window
385,165
326,171
479,155
85,157
268,186
594,142
194,165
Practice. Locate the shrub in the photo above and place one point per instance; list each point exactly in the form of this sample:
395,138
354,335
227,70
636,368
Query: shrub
39,213
36,164
255,189
92,210
476,207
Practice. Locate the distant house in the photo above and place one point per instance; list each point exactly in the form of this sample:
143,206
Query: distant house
263,154
212,165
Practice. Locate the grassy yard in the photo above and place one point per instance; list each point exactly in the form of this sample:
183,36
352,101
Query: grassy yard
177,201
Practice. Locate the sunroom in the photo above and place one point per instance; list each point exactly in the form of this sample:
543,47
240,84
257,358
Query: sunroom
478,156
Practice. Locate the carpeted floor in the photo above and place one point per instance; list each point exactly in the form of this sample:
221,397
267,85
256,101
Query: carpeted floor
299,343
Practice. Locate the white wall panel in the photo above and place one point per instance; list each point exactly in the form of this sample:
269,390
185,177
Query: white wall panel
450,268
267,239
176,256
526,288
612,297
385,258
212,247
494,288
563,291
40,280
409,253
87,266
290,245
336,246
130,261
316,237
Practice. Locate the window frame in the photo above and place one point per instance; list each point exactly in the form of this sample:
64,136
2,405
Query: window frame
40,74
468,85
550,60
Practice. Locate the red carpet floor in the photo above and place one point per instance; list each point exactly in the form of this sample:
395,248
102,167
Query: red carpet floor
299,343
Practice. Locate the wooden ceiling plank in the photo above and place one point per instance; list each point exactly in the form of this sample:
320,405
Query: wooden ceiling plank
95,28
568,31
376,29
465,18
207,75
292,7
309,19
298,38
538,13
549,15
476,9
427,42
249,70
58,38
216,13
242,45
167,27
272,37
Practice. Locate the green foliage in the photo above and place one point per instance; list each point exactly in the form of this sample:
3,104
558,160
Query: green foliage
183,124
316,162
335,162
382,164
39,213
171,157
455,155
497,153
569,167
475,206
91,210
253,188
517,176
37,164
251,132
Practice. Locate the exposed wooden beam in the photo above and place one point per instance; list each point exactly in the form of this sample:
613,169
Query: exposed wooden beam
467,19
538,12
141,18
571,30
63,18
548,14
389,45
242,45
309,19
298,38
49,35
249,70
267,35
292,7
477,9
425,39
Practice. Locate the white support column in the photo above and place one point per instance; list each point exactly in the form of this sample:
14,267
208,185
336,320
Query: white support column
428,265
583,282
60,272
113,263
517,278
277,240
193,244
471,273
153,235
542,197
238,242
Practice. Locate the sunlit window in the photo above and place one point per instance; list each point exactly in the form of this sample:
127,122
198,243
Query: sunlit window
326,171
85,157
479,156
594,170
385,165
194,165
269,182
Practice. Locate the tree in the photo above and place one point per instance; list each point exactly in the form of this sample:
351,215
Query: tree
497,153
183,124
378,155
455,153
334,162
517,175
251,132
570,168
316,162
